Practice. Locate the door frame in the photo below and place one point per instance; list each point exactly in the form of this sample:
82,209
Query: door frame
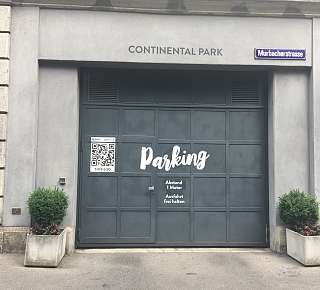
82,85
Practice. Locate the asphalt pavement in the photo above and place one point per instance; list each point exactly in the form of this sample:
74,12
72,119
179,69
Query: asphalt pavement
163,269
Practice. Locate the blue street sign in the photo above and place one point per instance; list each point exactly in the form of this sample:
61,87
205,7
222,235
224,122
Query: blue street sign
280,53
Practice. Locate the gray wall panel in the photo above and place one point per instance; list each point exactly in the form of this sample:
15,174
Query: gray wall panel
288,143
22,120
58,132
106,36
314,109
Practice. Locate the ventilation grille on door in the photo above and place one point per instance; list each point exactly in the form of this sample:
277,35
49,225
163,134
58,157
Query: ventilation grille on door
102,88
245,94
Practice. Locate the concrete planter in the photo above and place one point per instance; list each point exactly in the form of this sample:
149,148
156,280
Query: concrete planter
305,249
45,250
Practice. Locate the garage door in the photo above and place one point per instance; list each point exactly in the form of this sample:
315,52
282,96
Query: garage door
172,158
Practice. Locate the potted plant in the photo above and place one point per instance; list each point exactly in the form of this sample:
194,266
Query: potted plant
300,212
45,245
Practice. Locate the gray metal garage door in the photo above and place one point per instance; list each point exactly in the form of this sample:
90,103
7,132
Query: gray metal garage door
172,158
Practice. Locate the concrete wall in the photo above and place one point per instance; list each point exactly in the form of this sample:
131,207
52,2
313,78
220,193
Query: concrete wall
277,8
43,120
314,107
288,142
23,120
57,154
106,36
5,23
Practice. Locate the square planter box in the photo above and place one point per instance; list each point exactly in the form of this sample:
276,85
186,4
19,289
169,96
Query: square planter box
305,249
45,250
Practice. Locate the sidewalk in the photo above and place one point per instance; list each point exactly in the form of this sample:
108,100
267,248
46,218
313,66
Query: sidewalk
138,269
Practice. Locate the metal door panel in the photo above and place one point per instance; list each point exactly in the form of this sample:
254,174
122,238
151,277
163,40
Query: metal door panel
246,226
173,227
173,124
247,125
208,125
101,122
210,227
134,191
98,223
247,159
209,192
222,204
135,224
103,191
247,192
137,122
112,203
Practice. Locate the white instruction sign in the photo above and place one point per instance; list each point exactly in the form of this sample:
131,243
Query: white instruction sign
103,154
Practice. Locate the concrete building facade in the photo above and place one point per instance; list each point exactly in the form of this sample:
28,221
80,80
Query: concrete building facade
5,23
54,45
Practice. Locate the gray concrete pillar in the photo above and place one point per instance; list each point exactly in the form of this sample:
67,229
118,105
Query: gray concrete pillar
5,23
314,109
58,132
288,143
22,125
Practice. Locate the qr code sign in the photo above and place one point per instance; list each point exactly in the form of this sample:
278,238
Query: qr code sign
103,154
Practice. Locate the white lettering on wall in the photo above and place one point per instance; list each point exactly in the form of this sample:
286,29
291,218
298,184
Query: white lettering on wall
198,160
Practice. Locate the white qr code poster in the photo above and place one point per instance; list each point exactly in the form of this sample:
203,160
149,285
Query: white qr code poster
103,154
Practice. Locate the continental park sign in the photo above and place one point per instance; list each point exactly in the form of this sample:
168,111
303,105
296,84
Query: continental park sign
172,50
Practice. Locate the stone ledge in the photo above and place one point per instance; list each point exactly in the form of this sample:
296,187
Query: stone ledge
3,126
4,71
1,183
2,153
4,91
5,18
4,45
13,239
1,210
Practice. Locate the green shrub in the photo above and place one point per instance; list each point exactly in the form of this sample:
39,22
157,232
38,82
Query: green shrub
47,207
299,210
